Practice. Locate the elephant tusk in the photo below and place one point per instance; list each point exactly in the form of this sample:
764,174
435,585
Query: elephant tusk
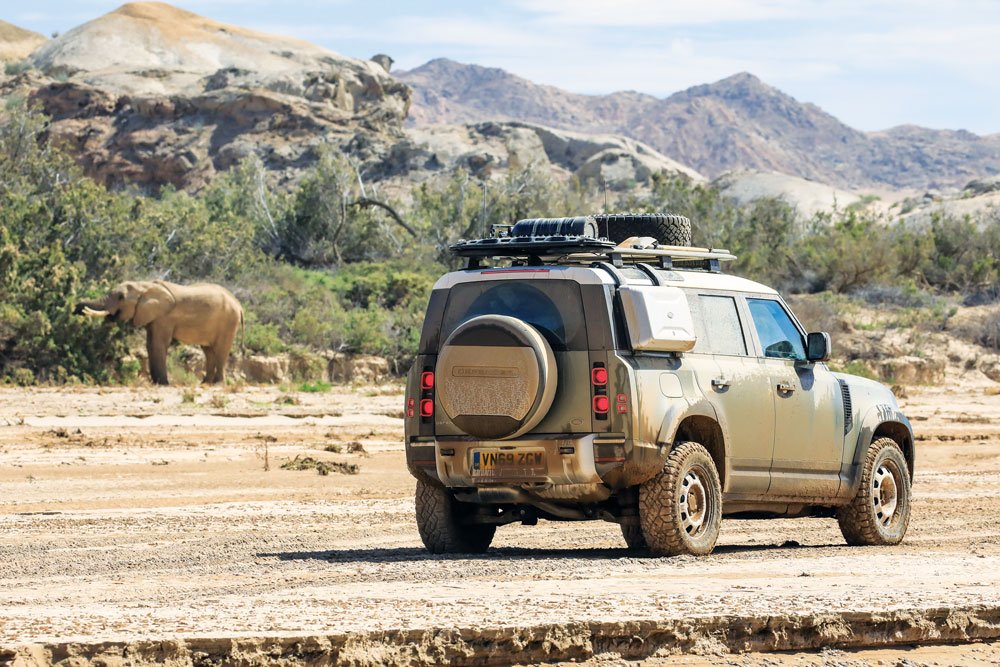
90,312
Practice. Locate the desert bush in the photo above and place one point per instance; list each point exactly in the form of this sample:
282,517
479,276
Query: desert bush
979,325
989,335
820,312
15,68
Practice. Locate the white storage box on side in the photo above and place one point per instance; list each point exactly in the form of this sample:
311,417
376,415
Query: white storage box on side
658,318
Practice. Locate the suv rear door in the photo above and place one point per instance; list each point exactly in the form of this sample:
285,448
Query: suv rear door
808,445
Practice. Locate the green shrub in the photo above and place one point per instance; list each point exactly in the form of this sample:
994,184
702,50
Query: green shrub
264,338
305,365
13,69
315,387
856,367
23,377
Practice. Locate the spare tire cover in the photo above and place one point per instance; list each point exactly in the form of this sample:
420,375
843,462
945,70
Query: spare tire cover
496,377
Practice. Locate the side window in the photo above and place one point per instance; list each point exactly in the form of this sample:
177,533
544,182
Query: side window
778,335
717,325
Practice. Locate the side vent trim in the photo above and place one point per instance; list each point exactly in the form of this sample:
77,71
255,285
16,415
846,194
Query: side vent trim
845,391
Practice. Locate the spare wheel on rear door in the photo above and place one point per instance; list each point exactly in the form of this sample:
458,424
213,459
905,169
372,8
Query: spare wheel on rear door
496,377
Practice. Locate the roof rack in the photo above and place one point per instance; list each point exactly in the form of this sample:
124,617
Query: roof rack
667,257
581,246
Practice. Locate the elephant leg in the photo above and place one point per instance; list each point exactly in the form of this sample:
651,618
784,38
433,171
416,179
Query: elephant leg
157,342
222,350
211,363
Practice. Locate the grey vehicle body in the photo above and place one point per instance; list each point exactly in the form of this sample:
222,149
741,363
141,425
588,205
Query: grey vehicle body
787,436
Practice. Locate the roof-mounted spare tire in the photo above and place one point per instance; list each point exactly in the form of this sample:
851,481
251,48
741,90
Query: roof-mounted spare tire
674,230
496,377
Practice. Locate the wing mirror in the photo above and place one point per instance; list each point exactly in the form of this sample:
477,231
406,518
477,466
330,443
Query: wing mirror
818,346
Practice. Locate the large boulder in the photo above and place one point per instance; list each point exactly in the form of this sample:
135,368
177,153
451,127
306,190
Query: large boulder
258,369
912,370
990,367
357,369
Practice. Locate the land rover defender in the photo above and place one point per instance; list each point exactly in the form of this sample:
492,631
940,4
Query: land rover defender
601,368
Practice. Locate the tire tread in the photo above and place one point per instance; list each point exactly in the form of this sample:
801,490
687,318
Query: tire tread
857,522
661,526
439,526
667,229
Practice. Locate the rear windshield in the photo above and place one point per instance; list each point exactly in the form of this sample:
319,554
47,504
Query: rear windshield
554,307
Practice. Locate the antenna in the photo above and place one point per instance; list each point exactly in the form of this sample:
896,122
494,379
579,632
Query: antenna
605,196
483,217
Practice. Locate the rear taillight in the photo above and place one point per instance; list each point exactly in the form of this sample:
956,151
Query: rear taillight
427,380
410,402
427,394
599,380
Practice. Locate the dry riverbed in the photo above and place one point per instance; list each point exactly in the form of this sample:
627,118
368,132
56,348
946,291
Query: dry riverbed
134,515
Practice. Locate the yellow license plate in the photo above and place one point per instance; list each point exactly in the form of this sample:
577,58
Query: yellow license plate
508,463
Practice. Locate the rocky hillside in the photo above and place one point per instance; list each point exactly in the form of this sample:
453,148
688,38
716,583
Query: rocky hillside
151,95
739,123
486,149
17,43
808,197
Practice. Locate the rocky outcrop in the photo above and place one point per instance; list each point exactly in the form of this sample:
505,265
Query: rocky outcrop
180,97
484,149
360,369
259,369
808,197
912,370
297,366
738,123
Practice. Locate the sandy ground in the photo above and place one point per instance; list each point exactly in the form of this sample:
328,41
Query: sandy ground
132,513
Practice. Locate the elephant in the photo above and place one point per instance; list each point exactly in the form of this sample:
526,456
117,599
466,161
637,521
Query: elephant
203,314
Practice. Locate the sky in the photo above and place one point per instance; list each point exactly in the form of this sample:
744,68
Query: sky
874,64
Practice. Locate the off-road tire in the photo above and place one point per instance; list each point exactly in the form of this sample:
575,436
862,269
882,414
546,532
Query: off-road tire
862,521
666,229
663,498
441,528
634,538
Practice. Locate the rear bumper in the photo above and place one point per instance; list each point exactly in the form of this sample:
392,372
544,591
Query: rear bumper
569,460
580,468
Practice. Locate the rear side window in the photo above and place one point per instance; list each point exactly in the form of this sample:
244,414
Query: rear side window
717,325
554,307
778,335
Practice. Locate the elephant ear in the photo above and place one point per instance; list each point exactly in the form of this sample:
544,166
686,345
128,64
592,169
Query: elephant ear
154,303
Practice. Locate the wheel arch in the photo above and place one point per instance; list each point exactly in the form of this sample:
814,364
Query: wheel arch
707,433
903,437
699,423
884,421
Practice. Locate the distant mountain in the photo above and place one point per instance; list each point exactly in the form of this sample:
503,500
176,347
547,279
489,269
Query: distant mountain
738,123
16,43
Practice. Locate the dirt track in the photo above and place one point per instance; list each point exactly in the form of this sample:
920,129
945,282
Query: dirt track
120,526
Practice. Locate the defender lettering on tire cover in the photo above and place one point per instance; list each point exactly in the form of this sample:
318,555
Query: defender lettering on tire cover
497,377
